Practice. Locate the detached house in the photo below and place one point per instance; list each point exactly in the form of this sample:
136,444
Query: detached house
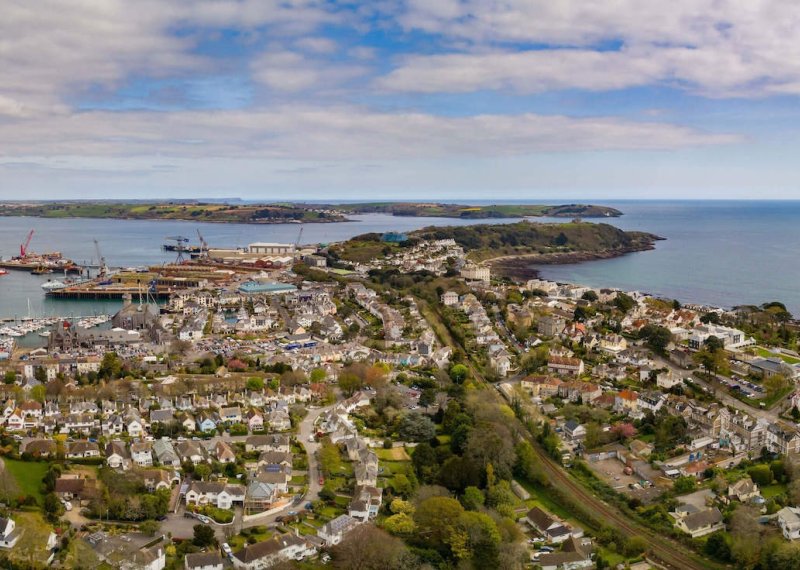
565,366
550,528
701,523
270,552
82,450
789,522
142,454
334,531
743,490
366,503
117,456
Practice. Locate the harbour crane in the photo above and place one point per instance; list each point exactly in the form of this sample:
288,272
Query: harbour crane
101,261
23,247
203,245
181,242
299,237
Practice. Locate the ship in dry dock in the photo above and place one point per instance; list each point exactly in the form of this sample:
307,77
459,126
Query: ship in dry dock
39,263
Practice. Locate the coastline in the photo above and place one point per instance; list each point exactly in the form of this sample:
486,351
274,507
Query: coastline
194,220
519,267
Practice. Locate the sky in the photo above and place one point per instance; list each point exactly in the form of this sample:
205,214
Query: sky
399,99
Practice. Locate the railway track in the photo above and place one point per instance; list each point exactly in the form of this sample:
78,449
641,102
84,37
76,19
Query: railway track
666,552
663,550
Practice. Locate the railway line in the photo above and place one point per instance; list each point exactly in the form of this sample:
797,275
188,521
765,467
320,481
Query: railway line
663,550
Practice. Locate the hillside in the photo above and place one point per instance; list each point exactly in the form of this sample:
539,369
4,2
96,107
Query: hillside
426,209
203,212
512,249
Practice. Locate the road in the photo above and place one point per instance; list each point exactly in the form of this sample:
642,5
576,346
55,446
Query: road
182,527
720,392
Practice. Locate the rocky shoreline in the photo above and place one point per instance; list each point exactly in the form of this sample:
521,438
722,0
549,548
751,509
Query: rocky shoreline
520,267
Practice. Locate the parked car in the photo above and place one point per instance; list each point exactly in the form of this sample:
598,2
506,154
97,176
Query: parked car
226,548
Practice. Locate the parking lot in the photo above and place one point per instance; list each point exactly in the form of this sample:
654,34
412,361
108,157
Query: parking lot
612,471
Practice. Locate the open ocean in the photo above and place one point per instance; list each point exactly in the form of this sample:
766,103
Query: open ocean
721,253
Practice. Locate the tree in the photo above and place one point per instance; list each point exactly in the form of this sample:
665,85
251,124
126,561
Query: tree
349,383
317,375
656,336
10,377
203,535
719,547
255,384
760,474
202,471
436,517
459,373
425,462
475,537
714,343
775,384
38,393
400,524
53,508
590,296
472,499
149,527
427,397
634,546
624,302
110,366
369,548
417,427
746,533
398,506
684,485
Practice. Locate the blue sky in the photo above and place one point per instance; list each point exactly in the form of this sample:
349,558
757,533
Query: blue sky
400,99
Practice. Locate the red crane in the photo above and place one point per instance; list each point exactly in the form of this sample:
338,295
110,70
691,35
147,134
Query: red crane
23,248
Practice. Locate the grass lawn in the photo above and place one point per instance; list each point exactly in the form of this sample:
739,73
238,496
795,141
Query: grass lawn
773,490
542,500
328,512
31,548
765,353
394,454
28,476
611,557
80,552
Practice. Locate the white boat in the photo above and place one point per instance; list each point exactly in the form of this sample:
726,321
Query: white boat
45,334
53,285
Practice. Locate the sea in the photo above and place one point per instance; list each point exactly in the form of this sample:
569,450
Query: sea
720,253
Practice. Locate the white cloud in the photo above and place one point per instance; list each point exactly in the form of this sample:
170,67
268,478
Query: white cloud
340,133
290,71
718,48
51,50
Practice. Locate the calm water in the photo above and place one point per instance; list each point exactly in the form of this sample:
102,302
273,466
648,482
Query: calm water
131,243
720,253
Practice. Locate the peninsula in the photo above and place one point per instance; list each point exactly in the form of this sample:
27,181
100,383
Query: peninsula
511,249
278,213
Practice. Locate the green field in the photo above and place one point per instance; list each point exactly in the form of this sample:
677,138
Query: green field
773,490
765,353
28,476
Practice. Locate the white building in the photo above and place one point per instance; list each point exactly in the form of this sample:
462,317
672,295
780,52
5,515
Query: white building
472,272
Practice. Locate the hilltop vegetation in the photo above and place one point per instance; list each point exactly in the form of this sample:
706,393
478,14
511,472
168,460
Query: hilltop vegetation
250,213
545,242
287,212
426,209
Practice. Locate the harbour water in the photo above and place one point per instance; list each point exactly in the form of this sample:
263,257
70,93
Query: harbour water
721,253
135,243
716,252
